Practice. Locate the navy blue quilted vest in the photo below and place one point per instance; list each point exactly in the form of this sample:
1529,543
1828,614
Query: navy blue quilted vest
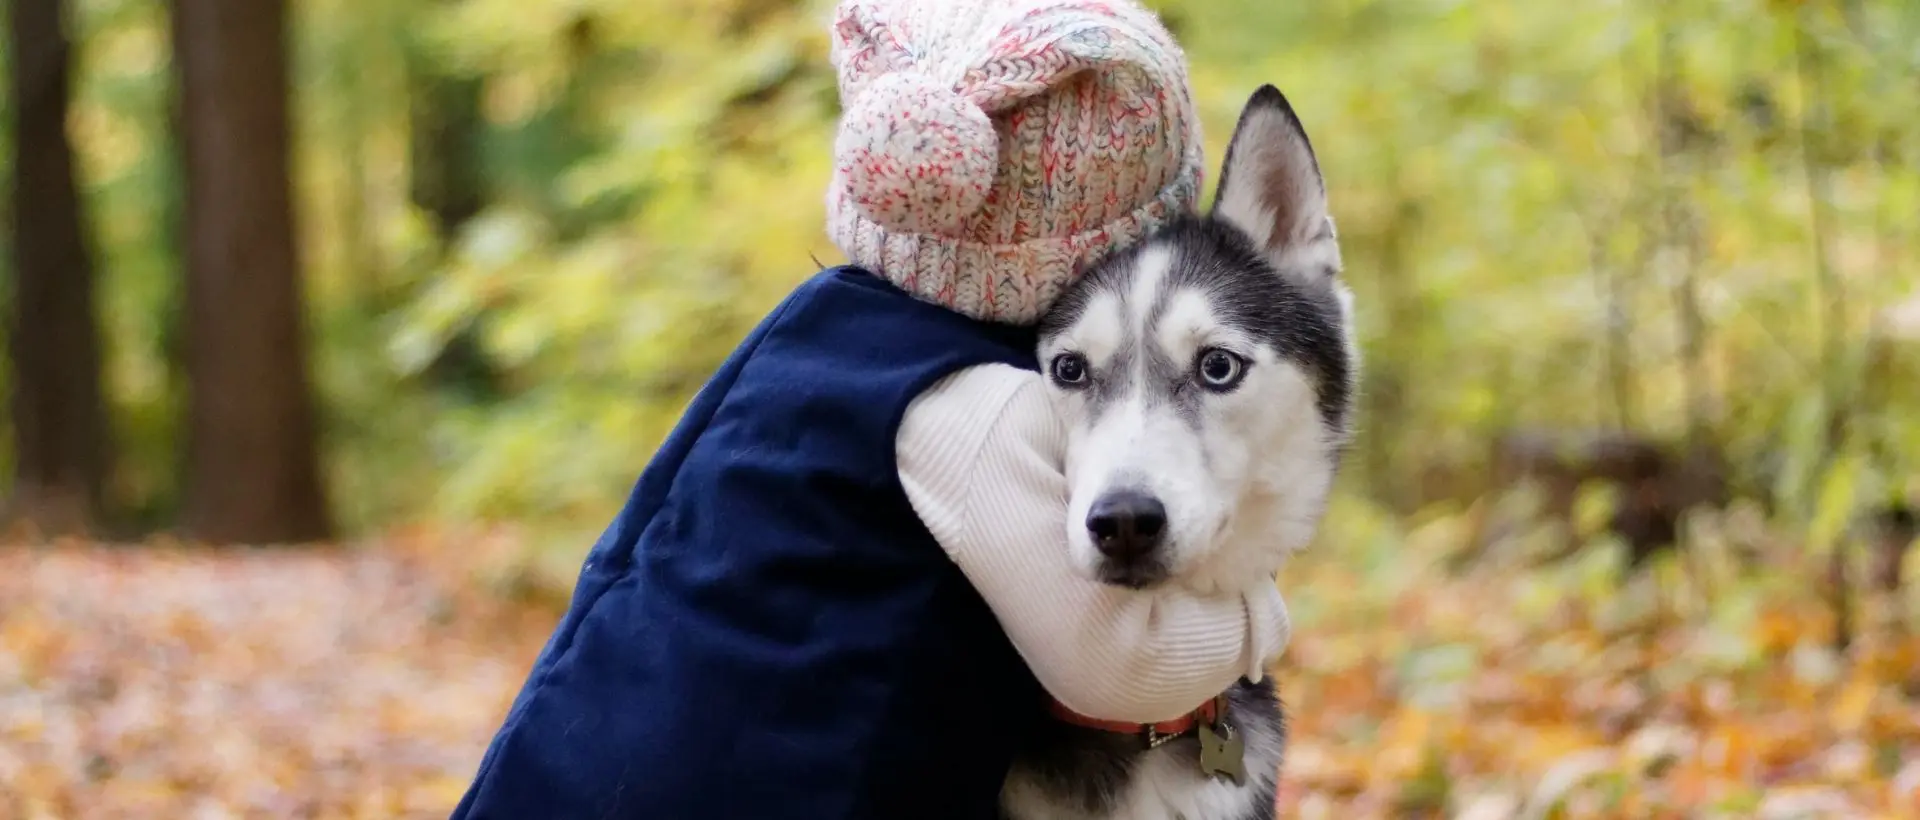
767,631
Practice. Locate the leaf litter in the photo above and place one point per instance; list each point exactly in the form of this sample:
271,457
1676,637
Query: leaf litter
365,681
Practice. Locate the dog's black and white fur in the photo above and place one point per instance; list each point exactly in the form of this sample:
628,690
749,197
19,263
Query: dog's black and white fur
1207,377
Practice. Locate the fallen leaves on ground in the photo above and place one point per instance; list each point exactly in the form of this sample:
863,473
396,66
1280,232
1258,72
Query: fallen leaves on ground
143,682
364,682
1547,694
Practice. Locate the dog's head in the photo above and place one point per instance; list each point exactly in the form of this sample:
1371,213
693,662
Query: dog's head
1207,376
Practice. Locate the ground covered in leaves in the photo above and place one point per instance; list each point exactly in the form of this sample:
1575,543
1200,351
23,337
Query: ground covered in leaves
176,683
149,682
1447,708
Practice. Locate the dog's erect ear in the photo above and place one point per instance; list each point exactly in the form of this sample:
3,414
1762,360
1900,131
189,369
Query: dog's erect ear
1270,187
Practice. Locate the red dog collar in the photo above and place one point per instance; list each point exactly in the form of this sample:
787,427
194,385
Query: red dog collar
1154,733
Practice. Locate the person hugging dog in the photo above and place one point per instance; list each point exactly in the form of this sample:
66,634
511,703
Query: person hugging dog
841,589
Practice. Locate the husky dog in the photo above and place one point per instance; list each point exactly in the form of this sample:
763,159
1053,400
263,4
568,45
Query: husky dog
1207,377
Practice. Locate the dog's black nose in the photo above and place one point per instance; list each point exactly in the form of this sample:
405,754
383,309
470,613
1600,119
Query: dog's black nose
1127,524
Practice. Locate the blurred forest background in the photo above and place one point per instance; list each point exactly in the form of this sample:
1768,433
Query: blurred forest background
1637,284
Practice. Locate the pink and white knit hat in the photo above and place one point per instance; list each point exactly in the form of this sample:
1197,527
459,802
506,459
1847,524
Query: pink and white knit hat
991,149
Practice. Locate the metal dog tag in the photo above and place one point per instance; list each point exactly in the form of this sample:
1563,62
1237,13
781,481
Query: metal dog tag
1223,753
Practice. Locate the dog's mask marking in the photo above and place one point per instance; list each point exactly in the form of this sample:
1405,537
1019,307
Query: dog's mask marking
1110,333
1145,420
1242,467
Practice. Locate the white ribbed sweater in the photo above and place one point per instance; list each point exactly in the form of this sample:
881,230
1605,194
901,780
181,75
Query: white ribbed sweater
981,455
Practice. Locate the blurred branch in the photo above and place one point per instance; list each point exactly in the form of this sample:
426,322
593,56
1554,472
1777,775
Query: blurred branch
1616,380
443,149
1828,292
447,182
1680,223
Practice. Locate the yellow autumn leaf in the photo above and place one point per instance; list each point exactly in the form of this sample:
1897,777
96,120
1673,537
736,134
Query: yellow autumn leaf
1854,703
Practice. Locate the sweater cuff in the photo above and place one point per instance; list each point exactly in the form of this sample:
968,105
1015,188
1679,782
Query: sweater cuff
1271,629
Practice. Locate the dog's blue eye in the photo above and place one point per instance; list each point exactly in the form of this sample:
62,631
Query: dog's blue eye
1220,370
1069,369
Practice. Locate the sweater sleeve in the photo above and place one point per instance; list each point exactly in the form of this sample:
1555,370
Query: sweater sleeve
980,454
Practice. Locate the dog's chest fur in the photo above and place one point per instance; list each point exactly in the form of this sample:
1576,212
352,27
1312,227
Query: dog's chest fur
1073,773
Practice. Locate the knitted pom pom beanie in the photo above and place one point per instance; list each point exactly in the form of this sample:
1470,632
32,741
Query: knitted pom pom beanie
991,149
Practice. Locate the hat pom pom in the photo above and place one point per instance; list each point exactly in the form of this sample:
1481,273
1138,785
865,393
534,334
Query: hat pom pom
915,156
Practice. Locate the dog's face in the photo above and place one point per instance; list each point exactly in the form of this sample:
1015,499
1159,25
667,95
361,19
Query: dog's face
1206,376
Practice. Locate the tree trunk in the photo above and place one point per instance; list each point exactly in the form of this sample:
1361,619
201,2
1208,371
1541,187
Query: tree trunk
252,467
59,418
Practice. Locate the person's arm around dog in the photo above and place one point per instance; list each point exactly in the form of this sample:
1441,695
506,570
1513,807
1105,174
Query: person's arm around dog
980,455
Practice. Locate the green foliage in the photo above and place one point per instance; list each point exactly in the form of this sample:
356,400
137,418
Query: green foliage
654,175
